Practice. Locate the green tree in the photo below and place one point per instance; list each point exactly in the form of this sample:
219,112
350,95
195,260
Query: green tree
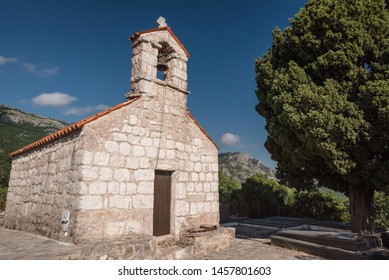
323,88
264,196
227,185
381,209
322,205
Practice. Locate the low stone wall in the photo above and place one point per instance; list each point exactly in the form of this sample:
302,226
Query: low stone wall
214,241
137,246
142,246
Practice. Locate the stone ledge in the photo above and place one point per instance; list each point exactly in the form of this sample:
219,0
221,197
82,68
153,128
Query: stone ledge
137,246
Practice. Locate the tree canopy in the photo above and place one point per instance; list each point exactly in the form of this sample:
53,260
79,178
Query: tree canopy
323,88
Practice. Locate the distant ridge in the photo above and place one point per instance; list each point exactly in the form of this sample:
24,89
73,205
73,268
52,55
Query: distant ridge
18,129
242,166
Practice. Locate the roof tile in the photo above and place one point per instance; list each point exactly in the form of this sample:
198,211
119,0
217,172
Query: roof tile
69,129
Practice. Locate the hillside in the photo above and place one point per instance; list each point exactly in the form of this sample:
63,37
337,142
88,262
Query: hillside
17,129
242,166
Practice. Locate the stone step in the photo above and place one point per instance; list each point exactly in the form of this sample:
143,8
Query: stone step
326,252
343,240
329,252
175,252
165,240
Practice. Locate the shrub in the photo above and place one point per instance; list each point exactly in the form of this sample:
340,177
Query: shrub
227,185
381,210
3,198
265,197
321,205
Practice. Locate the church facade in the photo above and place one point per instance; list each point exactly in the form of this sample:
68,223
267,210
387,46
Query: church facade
144,166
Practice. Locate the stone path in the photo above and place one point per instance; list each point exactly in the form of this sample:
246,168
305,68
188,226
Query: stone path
259,249
17,245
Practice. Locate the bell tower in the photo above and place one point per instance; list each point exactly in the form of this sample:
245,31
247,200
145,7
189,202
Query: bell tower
158,58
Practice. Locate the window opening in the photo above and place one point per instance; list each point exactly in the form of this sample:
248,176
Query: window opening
161,65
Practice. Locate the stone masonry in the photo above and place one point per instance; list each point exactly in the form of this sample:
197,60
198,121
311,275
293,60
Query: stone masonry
102,170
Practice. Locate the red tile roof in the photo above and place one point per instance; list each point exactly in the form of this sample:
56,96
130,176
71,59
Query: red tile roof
77,126
69,129
137,34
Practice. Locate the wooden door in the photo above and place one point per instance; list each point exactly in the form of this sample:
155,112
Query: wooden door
162,198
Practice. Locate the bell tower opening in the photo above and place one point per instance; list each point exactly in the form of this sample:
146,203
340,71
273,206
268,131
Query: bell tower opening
158,59
161,65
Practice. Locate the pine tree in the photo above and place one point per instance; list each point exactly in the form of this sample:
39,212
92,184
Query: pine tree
323,88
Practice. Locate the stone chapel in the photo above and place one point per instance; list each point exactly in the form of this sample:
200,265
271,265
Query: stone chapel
143,166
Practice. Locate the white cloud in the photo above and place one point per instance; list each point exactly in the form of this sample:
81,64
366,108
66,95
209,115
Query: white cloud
4,60
43,72
89,109
53,99
229,139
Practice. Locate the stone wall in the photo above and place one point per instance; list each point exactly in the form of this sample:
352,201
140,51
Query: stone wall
43,183
122,152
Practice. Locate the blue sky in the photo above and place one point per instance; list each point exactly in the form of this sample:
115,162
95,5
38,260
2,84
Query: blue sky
70,59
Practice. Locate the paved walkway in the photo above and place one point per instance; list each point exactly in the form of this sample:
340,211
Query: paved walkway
18,245
258,249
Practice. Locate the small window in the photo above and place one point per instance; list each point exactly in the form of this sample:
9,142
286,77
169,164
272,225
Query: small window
161,71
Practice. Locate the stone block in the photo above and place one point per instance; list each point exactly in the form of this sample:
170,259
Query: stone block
215,207
125,148
119,137
197,167
183,176
89,173
180,191
198,187
214,186
122,175
119,202
144,163
113,188
90,202
210,197
97,188
169,144
105,174
87,157
117,161
132,163
111,146
197,142
131,188
139,151
147,142
194,176
133,120
170,154
146,187
207,187
143,201
193,208
138,131
122,228
101,159
151,152
182,208
144,175
209,177
194,157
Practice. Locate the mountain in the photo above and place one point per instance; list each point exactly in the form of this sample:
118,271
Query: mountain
242,166
17,129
